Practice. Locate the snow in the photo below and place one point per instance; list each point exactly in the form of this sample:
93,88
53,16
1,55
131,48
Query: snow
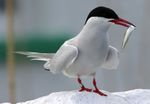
137,96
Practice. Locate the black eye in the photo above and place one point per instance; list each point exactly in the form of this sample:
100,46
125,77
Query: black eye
102,12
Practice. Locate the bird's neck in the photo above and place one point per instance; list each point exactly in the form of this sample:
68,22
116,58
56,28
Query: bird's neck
95,28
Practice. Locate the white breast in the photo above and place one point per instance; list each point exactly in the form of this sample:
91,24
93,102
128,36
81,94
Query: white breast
92,44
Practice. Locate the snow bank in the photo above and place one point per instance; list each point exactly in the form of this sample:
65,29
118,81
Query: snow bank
137,96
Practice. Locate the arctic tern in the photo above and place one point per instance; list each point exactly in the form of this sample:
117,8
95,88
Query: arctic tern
88,51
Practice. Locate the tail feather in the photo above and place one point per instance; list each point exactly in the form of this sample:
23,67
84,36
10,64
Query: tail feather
37,56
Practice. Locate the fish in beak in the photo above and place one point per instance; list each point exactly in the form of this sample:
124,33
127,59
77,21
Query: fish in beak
127,35
127,24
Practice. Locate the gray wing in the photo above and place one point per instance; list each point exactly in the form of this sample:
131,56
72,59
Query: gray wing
63,58
112,59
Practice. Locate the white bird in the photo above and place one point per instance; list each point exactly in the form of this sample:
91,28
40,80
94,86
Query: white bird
87,52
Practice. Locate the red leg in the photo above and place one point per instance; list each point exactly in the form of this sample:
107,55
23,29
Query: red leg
82,86
96,89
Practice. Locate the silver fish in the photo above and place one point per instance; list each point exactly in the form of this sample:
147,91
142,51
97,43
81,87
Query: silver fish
127,35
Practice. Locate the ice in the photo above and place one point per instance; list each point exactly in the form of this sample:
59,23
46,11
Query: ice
137,96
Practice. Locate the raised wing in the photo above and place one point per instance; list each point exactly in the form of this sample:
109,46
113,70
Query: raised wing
64,57
112,59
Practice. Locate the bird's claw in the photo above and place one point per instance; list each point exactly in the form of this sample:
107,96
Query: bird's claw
85,89
99,92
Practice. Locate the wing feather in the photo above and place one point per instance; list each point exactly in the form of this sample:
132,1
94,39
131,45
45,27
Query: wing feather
64,57
37,56
112,59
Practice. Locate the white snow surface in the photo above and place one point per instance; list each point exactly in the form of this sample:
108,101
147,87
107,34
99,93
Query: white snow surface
137,96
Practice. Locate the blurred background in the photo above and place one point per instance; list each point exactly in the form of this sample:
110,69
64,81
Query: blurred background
43,25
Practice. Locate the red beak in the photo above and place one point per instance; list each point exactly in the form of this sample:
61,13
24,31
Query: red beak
122,22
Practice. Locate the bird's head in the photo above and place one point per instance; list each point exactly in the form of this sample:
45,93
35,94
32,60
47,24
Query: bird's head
109,15
103,16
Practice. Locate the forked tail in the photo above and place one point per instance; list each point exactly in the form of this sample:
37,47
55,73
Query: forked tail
37,56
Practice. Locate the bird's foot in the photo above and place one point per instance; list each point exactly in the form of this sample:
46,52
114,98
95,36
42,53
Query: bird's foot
85,89
99,92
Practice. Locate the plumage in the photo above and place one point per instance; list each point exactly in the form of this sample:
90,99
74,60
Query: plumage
37,56
87,52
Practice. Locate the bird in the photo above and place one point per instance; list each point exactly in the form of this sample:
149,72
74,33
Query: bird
88,51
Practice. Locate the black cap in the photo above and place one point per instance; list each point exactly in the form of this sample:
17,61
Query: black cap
102,12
